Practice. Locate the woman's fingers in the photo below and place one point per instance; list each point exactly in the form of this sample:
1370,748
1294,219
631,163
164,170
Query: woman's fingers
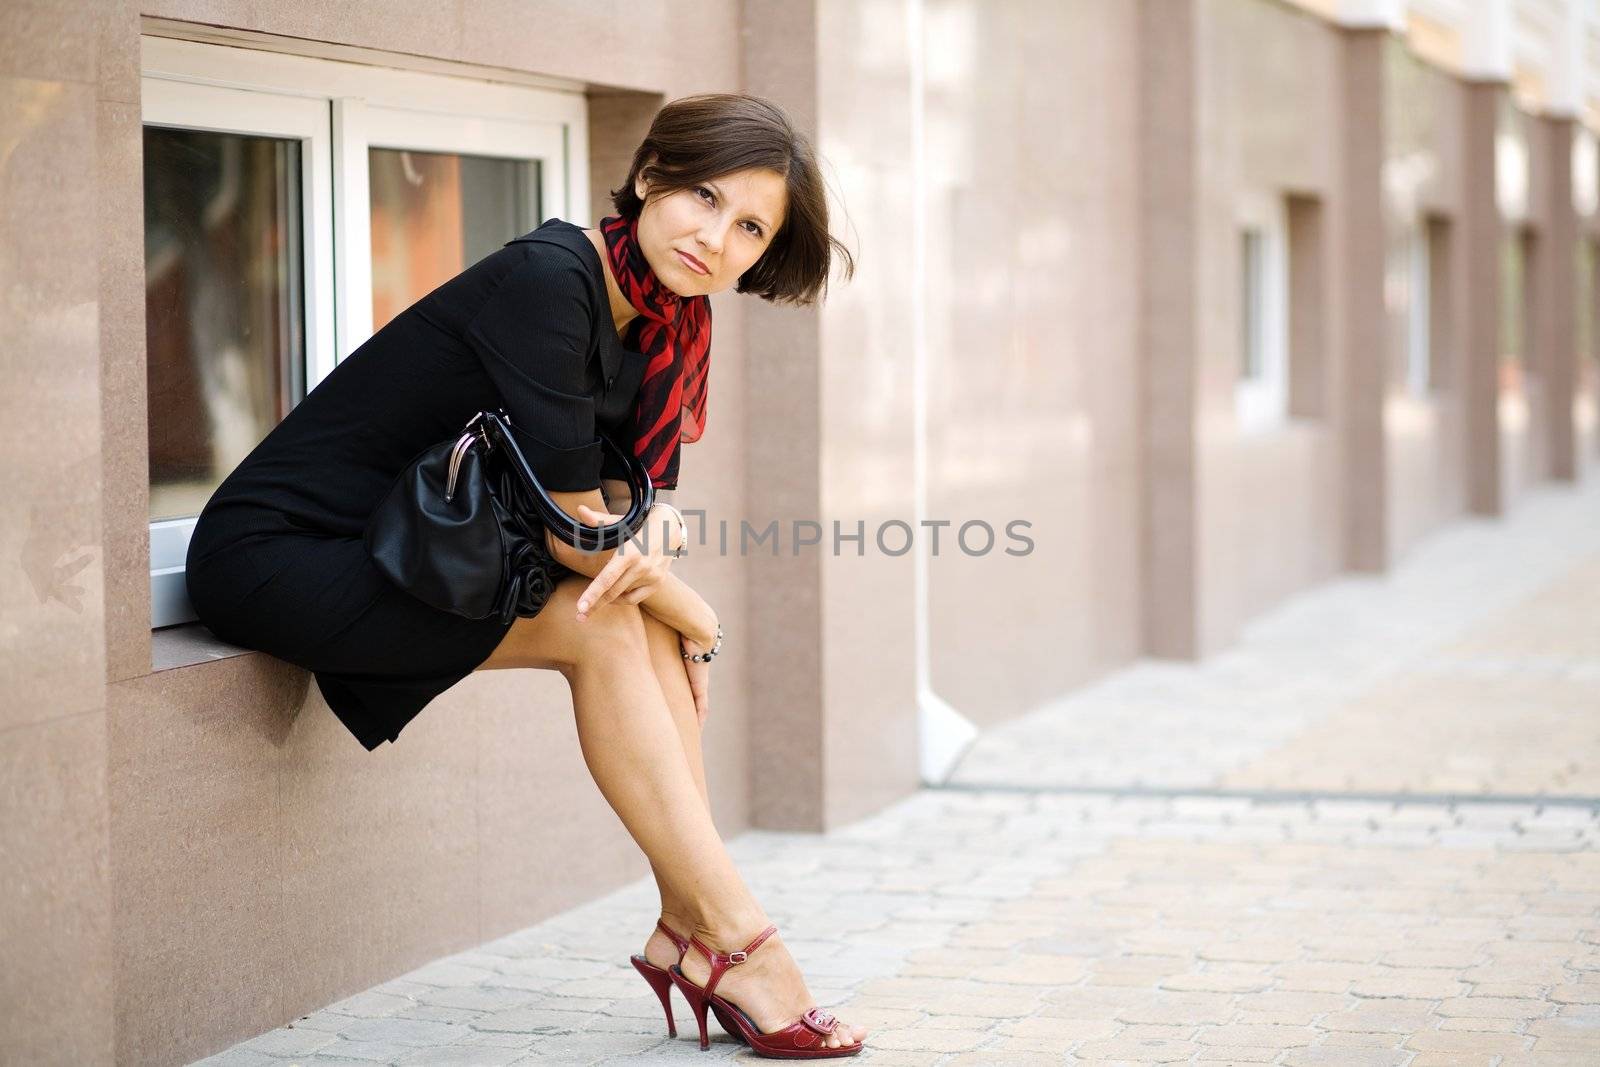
629,576
603,589
623,576
596,594
700,686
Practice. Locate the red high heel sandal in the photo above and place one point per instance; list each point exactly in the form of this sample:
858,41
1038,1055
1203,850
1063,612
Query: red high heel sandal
800,1040
658,977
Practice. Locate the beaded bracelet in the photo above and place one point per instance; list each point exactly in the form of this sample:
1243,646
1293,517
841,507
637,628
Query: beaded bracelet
705,657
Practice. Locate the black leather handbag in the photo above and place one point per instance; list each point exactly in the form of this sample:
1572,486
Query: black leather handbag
462,528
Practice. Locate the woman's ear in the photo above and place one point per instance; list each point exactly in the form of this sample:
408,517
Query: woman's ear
641,187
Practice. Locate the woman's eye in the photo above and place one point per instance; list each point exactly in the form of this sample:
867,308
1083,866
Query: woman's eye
754,230
703,189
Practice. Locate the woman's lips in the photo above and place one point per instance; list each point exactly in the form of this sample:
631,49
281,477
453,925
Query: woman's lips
692,263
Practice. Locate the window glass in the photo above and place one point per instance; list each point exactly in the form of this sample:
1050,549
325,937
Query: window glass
1585,324
224,314
1419,340
1253,309
435,214
1511,299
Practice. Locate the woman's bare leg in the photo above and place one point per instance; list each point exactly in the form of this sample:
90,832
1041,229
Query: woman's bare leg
634,751
667,663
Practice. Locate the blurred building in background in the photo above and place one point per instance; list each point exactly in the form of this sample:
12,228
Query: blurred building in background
1220,297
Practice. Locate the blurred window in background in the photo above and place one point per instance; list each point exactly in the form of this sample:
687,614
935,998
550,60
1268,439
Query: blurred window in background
1516,296
1262,390
1253,318
1428,311
1586,338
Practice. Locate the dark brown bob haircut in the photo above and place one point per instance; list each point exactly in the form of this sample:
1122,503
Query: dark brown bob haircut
701,138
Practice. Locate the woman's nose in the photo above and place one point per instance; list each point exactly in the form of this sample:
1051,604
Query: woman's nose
710,238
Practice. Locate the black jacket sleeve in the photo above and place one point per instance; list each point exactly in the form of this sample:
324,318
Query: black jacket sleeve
534,335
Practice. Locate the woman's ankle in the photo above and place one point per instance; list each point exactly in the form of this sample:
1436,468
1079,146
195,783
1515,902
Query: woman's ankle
679,922
728,933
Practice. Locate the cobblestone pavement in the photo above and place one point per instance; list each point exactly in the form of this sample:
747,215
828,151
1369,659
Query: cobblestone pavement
1312,869
1463,671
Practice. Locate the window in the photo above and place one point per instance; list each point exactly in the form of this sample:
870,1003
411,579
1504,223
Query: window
1427,303
1253,342
1262,390
1418,326
1516,296
1307,285
1586,324
292,206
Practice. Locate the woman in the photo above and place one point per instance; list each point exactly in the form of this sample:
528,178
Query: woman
571,331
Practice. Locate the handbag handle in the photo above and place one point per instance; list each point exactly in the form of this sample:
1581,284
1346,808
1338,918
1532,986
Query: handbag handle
495,426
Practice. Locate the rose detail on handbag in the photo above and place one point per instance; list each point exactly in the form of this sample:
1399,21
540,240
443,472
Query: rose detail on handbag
463,526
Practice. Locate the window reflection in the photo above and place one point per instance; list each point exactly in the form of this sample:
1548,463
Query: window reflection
434,214
1252,321
224,324
1516,298
1586,323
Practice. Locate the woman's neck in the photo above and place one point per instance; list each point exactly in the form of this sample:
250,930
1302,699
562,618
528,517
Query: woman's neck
622,312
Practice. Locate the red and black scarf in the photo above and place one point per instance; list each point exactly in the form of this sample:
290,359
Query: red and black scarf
674,333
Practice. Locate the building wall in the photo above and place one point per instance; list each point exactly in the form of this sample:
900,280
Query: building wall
1424,432
865,373
1524,400
1032,332
1586,302
1269,501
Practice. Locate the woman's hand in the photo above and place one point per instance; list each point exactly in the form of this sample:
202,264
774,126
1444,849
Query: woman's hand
631,575
699,677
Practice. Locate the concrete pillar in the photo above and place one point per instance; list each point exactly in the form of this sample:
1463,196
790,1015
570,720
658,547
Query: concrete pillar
1363,358
58,94
783,599
1481,232
832,667
1169,339
1555,326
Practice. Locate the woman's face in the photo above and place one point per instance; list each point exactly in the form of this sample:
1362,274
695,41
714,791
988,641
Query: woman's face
725,224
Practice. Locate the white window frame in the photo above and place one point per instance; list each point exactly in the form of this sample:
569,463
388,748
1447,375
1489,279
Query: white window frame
360,125
1261,401
338,110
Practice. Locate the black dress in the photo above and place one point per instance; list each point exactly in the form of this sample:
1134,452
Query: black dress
277,561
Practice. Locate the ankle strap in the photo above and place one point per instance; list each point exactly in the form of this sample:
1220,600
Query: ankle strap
720,963
672,935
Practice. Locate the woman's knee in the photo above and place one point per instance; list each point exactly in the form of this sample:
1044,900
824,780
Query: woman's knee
616,617
609,630
555,639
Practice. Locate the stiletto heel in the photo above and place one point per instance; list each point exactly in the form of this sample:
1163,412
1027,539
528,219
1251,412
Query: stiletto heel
697,1004
661,982
800,1040
659,979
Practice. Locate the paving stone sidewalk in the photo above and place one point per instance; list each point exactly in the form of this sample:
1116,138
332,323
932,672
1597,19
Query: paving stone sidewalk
1373,839
1473,667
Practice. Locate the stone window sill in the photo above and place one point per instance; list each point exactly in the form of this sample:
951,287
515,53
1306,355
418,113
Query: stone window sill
186,645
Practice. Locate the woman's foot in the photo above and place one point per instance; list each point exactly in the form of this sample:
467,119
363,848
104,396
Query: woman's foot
659,949
767,986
